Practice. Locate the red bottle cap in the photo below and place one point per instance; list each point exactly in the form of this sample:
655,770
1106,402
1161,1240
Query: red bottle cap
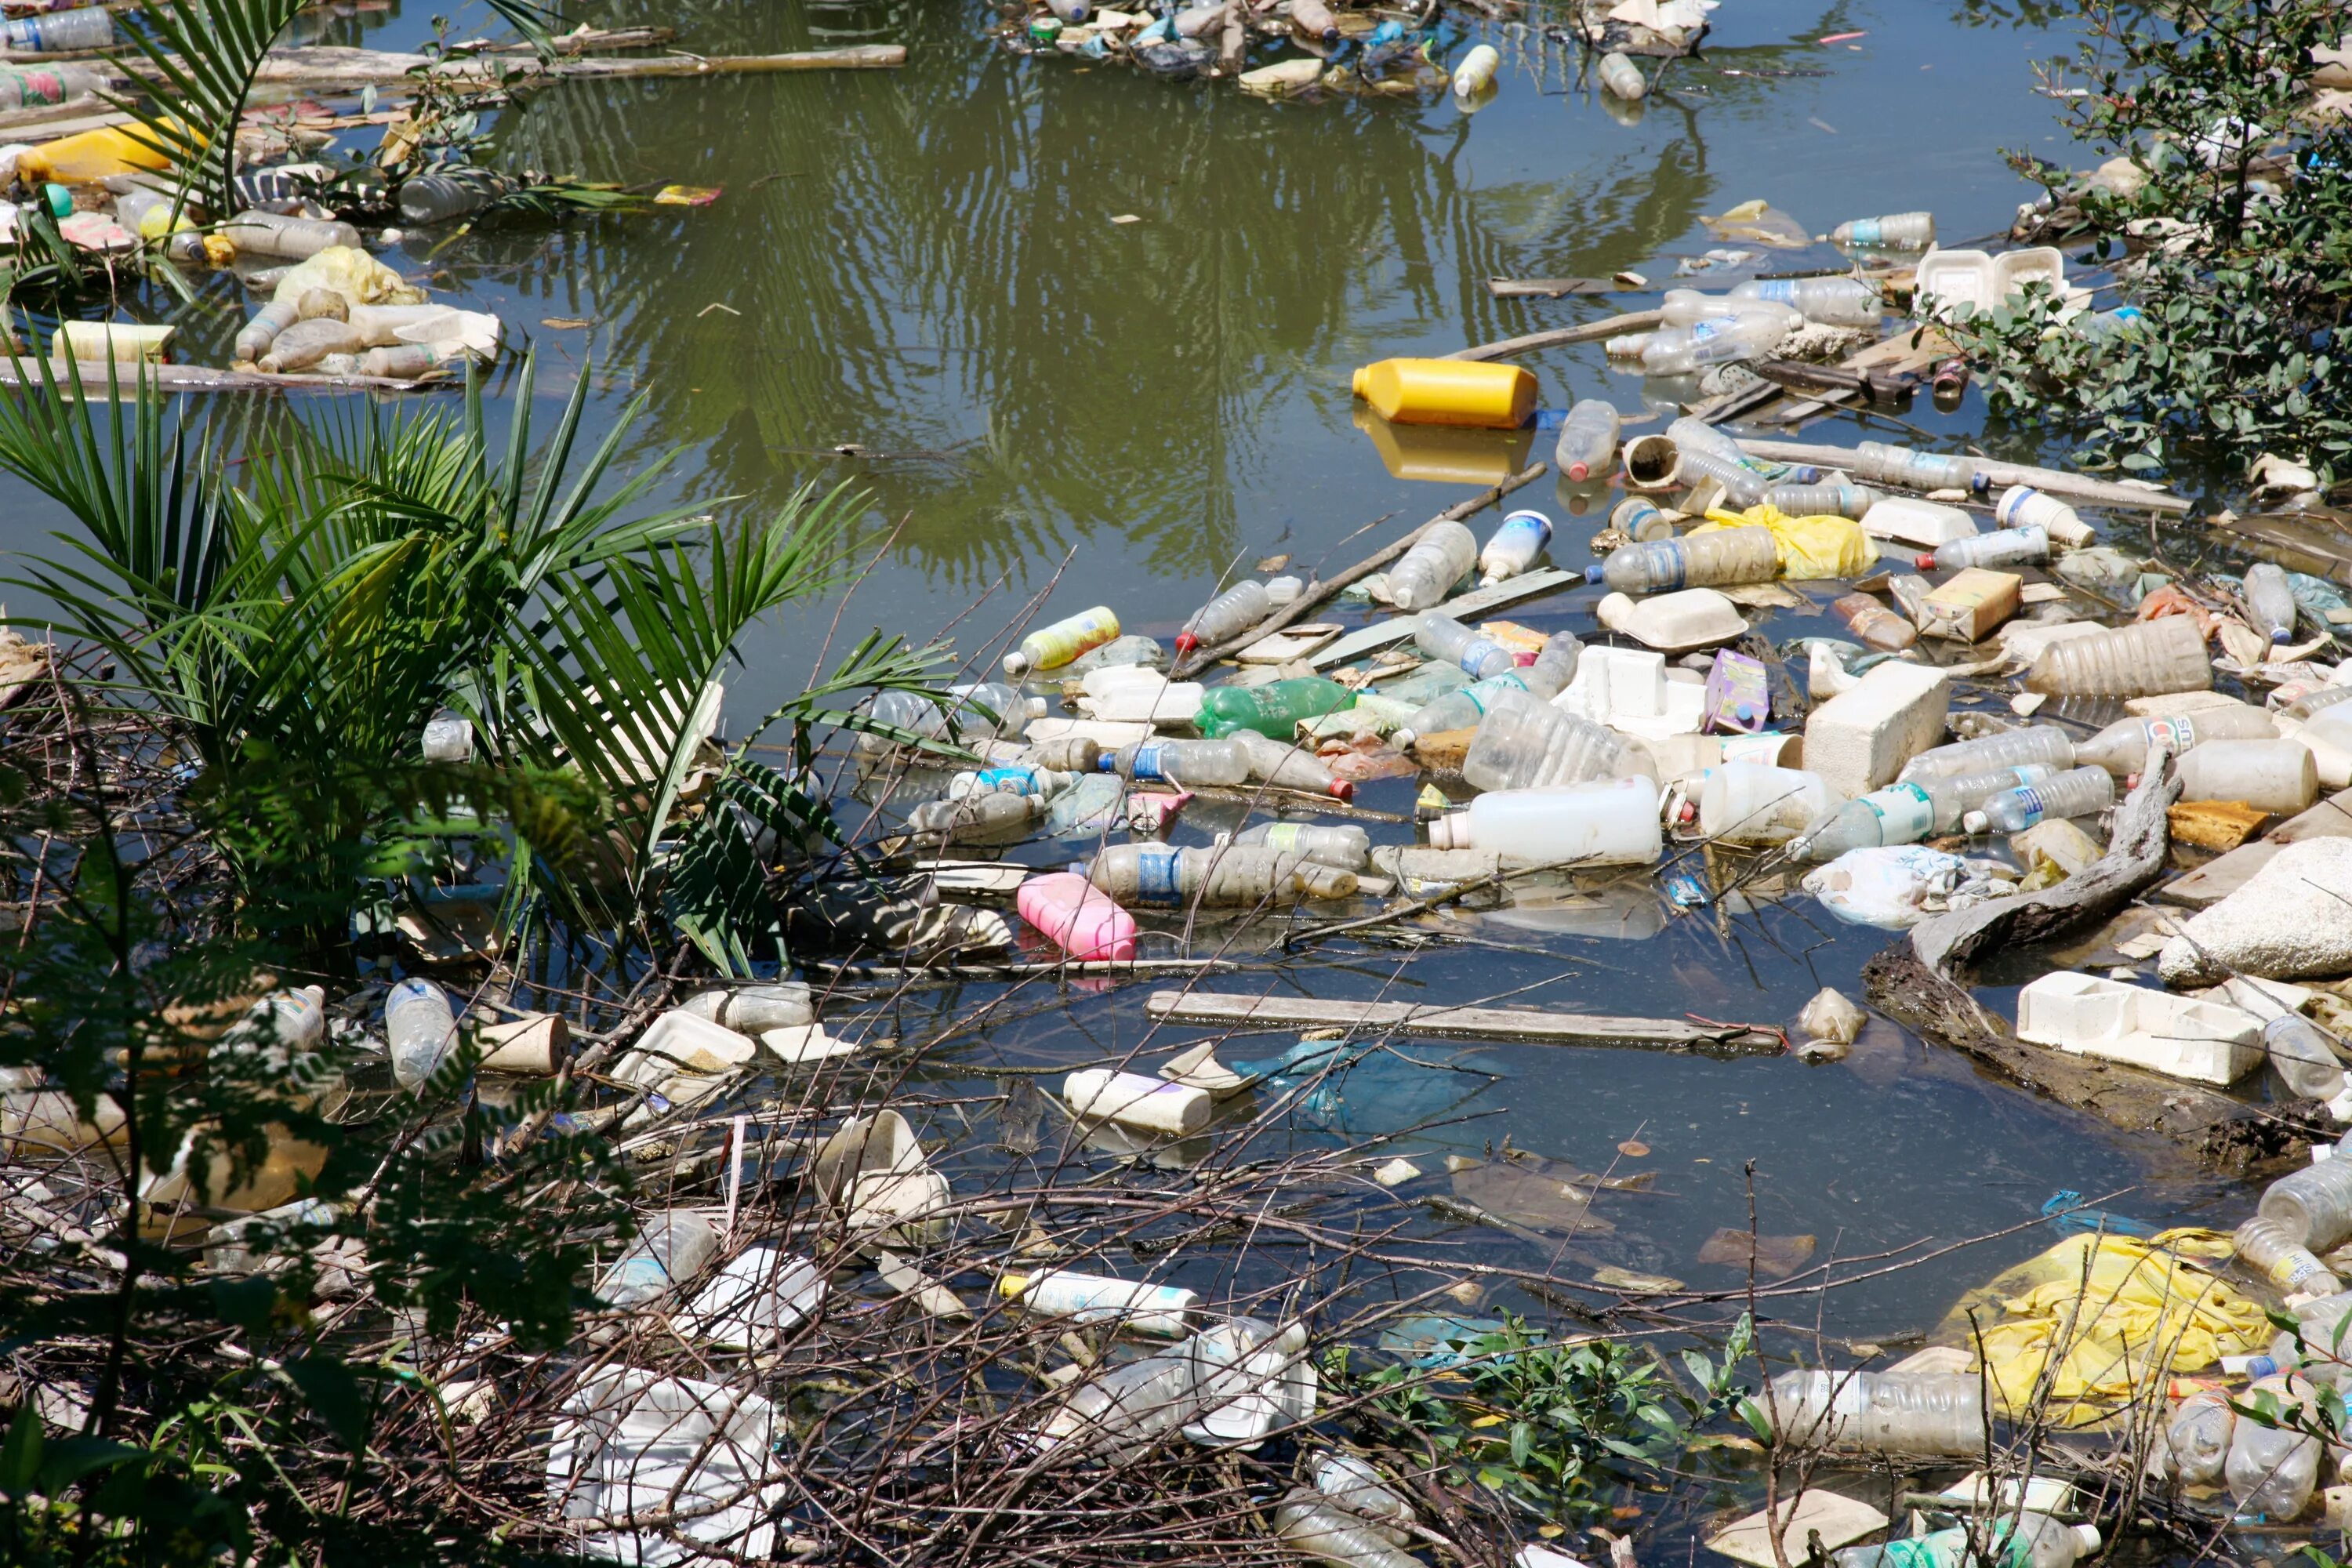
1925,562
1579,472
1185,643
1343,789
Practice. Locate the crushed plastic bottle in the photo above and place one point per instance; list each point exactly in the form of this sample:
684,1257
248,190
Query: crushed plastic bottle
2148,659
1444,638
2269,776
1588,439
1719,340
2002,547
1011,778
2043,743
1895,231
2080,791
420,1030
1347,847
1733,555
1464,708
1220,761
1426,573
2270,601
997,817
1319,1528
2198,1437
1927,1413
1051,647
1226,616
2123,746
1222,876
1274,708
1524,743
1603,822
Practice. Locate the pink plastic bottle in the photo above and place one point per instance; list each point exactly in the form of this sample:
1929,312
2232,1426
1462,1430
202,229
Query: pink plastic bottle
1077,917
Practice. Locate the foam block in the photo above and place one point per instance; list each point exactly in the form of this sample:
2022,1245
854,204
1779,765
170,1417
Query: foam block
1859,739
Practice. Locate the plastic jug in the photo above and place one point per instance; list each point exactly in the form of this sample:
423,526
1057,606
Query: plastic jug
2269,776
1757,805
1129,1304
1523,744
2043,743
2122,747
1442,637
1518,545
1427,573
1226,616
1274,708
1319,1530
1050,647
1076,917
2080,791
1611,822
1734,555
1588,439
2148,659
1448,391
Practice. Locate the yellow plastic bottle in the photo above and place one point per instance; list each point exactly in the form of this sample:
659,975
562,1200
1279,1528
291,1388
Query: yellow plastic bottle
1050,647
1448,392
89,155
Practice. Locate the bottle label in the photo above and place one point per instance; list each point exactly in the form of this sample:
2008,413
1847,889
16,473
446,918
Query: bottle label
1152,761
1005,781
1479,650
1906,812
1157,875
1711,326
2030,799
1283,835
1481,692
2180,734
2293,1266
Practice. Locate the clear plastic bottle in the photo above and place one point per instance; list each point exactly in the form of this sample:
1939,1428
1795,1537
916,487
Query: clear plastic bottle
1131,651
1348,848
293,238
441,195
1274,708
1224,763
2028,1540
754,1009
2043,743
2270,601
1691,433
1010,778
1442,637
406,362
1733,555
1688,307
2304,1056
1227,875
1286,766
1588,439
1743,485
1906,811
2122,747
1887,1412
1427,573
1226,616
1051,647
1833,301
306,343
1895,231
996,817
1515,546
1831,498
1720,340
1638,517
1313,19
421,1028
60,32
1873,623
1524,743
252,340
1621,78
1756,805
2313,1205
1602,822
2269,1246
2079,792
672,1249
1914,470
2148,659
1319,1529
1132,1305
2273,1469
2002,547
2197,1439
2317,701
47,86
2022,506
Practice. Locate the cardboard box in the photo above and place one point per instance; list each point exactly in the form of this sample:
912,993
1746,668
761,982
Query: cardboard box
1970,606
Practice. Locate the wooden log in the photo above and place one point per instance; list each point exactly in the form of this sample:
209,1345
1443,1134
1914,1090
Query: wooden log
2055,480
193,378
1552,287
1229,1009
1592,331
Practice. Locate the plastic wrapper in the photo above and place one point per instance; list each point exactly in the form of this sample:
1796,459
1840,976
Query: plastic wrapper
354,274
1897,887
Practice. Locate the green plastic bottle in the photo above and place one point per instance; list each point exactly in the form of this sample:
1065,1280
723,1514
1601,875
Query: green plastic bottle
1274,708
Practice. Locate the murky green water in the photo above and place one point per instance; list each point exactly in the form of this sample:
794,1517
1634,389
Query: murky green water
924,264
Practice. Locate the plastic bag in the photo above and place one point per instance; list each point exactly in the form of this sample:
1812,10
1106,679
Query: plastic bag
1811,547
1889,887
354,274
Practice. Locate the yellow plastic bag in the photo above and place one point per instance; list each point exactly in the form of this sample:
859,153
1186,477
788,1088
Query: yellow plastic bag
354,274
2106,1318
1811,547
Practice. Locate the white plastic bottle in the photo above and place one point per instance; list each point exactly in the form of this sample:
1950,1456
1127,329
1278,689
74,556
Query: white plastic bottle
1516,545
2272,1468
2269,776
1226,616
1588,441
1523,744
1885,1411
281,1025
2122,747
2304,1056
1756,805
2002,547
2148,659
1138,1308
1442,637
421,1028
2079,792
2044,743
1895,231
672,1249
1427,573
1611,822
2022,506
2273,1250
1224,762
2270,601
1347,847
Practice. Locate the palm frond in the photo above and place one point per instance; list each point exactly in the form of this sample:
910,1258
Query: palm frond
202,57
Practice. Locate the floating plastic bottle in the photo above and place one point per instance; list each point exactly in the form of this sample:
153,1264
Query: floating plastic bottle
2313,1205
2273,1469
2149,658
252,340
1833,301
996,817
2022,506
1050,647
1223,876
1274,708
755,1009
1476,74
1723,340
1524,743
672,1249
421,1029
1071,13
281,1025
1830,499
293,238
1637,517
1183,762
1442,637
60,32
1128,1304
2077,792
2028,1541
1226,616
1427,573
1013,778
2197,1437
1755,805
1743,485
1313,19
2270,601
1130,651
1733,555
1519,542
47,86
2002,547
2269,776
1465,707
1347,847
2123,746
1286,766
2043,743
1885,1411
1915,470
1895,231
2304,1056
306,343
1621,78
1474,393
1873,623
441,194
1604,822
1319,1528
1588,440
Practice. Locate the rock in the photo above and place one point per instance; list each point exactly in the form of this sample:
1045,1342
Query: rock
2292,918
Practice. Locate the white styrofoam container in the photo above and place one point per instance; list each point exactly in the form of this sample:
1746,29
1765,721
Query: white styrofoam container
1628,689
2206,1042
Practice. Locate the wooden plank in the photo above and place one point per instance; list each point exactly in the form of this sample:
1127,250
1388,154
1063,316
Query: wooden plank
1590,332
1478,601
1552,287
1232,1010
